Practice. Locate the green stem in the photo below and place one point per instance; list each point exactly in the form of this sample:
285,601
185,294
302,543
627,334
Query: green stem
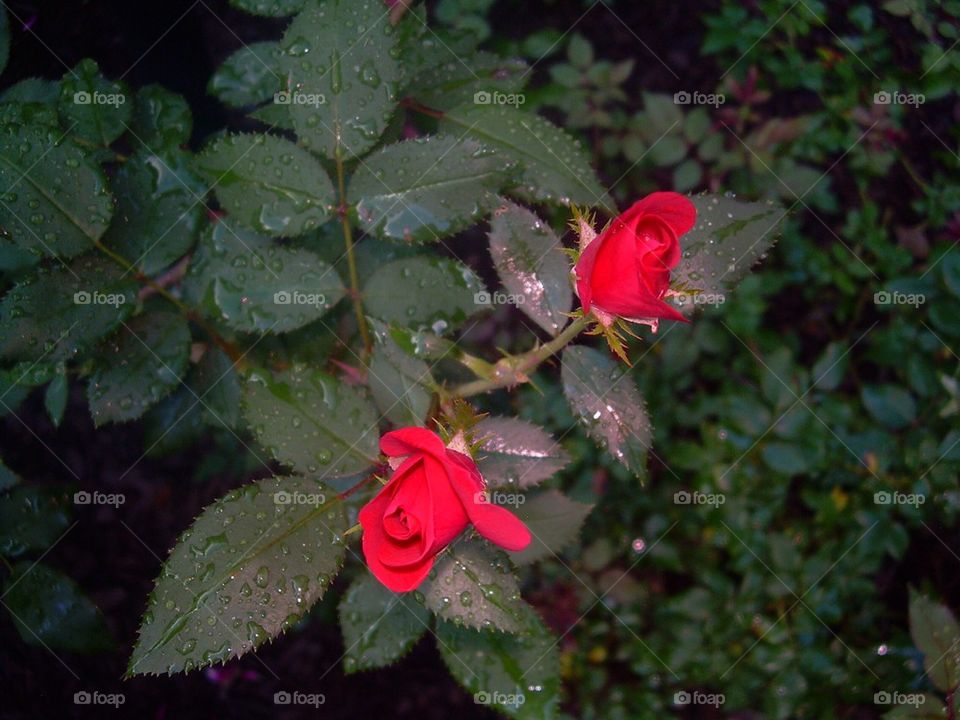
7,563
352,261
514,369
231,351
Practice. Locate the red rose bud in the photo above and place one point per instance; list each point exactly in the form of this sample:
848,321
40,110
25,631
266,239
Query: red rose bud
433,493
625,271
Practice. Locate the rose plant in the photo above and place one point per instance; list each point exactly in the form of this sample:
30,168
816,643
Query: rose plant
300,282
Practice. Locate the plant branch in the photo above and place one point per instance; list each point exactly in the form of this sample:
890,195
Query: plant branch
342,212
514,369
156,288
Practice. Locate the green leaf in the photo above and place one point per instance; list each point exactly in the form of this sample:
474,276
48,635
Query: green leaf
311,422
553,519
423,190
159,209
56,200
379,626
607,402
555,166
519,675
516,454
138,366
215,380
339,65
785,458
92,107
448,82
32,518
8,479
445,293
61,312
161,118
936,634
890,405
687,175
267,183
39,91
55,398
50,610
726,241
256,285
401,385
532,267
249,568
269,8
472,584
249,76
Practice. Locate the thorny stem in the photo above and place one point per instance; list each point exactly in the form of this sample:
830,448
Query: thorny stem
352,261
514,369
229,348
351,490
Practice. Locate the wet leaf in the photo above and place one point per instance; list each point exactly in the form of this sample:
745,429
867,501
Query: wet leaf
423,190
55,398
422,292
728,238
608,404
249,568
311,422
935,631
516,454
159,209
269,8
472,584
555,166
32,518
161,119
50,610
339,66
379,626
8,479
56,200
440,80
138,366
531,264
61,312
519,675
553,519
267,184
92,107
401,385
255,285
215,380
249,76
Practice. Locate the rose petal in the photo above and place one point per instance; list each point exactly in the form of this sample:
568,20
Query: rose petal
496,524
674,209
